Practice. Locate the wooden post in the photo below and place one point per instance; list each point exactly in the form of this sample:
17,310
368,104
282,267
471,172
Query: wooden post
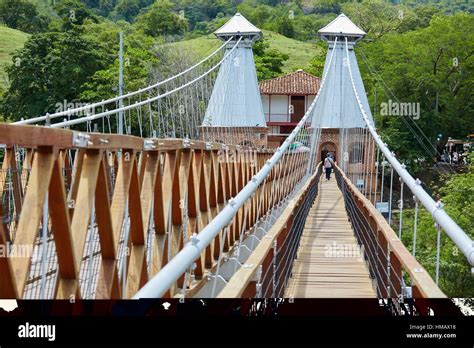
32,211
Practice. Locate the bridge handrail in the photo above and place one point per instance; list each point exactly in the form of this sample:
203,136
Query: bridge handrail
425,286
161,282
117,98
239,283
29,136
452,229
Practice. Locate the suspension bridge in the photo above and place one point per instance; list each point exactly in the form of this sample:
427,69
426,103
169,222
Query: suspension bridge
171,191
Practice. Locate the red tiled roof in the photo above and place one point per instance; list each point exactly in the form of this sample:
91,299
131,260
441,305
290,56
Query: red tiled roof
297,83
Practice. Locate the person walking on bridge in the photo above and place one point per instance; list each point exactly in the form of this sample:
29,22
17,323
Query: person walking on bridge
328,162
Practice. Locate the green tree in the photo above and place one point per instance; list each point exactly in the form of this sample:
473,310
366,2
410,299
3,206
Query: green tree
129,9
378,18
432,66
423,15
200,12
285,27
73,12
259,16
317,63
139,61
159,19
457,195
101,7
51,68
327,6
106,6
268,62
22,15
269,2
14,12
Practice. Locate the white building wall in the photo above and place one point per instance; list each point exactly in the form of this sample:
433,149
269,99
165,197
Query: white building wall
279,108
276,107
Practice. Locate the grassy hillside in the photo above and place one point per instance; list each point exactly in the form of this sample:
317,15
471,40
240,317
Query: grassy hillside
300,52
10,40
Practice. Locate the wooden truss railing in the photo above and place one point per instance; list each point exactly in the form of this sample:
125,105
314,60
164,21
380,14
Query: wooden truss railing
114,185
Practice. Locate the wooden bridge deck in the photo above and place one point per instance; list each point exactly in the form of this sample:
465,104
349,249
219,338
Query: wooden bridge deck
329,261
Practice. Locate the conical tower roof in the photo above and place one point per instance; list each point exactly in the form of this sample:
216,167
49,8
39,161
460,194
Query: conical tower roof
341,25
238,25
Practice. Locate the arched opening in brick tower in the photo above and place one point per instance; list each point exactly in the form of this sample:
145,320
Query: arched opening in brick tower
328,147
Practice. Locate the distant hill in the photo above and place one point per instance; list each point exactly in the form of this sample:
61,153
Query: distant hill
10,41
300,52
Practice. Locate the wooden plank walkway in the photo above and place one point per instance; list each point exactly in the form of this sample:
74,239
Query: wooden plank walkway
329,261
